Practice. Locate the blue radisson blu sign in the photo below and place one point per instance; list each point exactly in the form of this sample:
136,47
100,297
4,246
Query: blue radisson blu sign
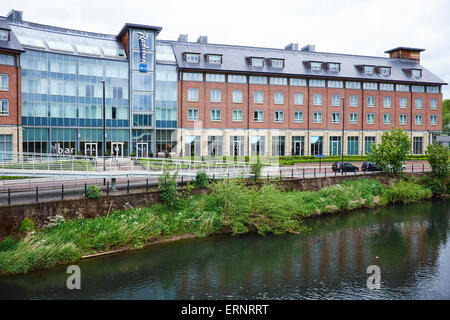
142,37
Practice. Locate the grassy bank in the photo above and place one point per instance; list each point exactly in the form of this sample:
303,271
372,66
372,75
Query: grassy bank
231,206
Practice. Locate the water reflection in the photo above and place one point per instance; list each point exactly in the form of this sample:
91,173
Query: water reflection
408,243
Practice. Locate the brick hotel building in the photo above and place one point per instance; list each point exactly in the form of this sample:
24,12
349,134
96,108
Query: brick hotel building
198,98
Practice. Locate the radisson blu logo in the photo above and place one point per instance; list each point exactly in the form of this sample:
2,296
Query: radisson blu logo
143,51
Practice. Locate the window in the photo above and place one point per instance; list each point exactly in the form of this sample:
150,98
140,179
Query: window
237,115
298,98
387,86
257,145
237,146
368,69
352,146
258,115
192,57
192,94
368,142
258,96
403,103
403,118
334,67
4,35
215,145
317,117
215,115
216,95
387,102
335,146
190,76
298,82
353,101
4,82
4,107
237,96
278,98
316,145
214,58
385,71
317,83
279,116
353,85
371,101
193,114
335,100
353,117
298,145
278,145
257,62
214,77
278,81
433,119
417,145
7,59
335,117
277,63
298,116
416,73
418,103
433,89
192,145
370,86
387,118
402,87
433,104
335,84
233,78
258,80
371,118
418,119
317,99
316,66
418,88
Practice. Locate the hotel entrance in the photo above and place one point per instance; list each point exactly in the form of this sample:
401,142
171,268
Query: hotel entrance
90,149
116,149
142,149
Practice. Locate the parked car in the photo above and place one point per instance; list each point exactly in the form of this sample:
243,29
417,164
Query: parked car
344,167
403,167
370,166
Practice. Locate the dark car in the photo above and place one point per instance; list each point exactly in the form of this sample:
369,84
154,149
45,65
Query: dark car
370,166
343,167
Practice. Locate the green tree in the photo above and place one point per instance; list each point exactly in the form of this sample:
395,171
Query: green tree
167,185
446,115
391,152
438,159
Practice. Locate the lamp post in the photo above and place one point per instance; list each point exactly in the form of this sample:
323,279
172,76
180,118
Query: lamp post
343,126
104,126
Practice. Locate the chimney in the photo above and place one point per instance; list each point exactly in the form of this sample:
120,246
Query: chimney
405,53
202,39
15,15
309,48
292,47
182,38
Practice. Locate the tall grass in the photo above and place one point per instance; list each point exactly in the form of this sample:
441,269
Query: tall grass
231,206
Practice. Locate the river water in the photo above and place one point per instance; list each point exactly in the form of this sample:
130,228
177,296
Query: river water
410,244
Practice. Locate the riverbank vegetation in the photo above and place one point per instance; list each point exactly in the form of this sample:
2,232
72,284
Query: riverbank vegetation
231,206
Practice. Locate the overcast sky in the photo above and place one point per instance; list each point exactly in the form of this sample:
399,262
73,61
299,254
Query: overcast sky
367,27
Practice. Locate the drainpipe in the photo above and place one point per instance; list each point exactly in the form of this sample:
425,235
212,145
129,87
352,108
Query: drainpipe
18,105
181,113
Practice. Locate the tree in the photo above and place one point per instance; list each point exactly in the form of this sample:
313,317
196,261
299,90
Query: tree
438,159
446,115
391,152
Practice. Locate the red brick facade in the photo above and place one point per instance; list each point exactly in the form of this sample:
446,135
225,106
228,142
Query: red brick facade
12,95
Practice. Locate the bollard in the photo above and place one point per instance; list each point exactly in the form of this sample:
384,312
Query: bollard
128,186
107,188
412,168
146,184
62,192
37,194
280,175
314,172
9,196
104,181
303,173
85,189
325,171
214,177
182,180
423,168
292,174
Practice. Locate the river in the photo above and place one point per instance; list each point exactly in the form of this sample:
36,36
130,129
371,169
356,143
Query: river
410,244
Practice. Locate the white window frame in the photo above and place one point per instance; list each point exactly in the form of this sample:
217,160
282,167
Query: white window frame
353,115
3,76
368,69
192,57
215,111
387,116
387,102
238,96
237,112
277,63
257,61
416,117
298,116
259,111
335,100
316,66
4,35
354,100
418,103
371,99
256,95
403,105
317,99
214,58
278,116
278,97
403,120
317,117
193,94
385,71
433,116
370,118
194,115
298,98
335,117
433,104
215,95
4,111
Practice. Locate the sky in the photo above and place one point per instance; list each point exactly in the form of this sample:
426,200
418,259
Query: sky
366,27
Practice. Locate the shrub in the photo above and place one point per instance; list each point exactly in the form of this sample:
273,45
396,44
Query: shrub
436,185
26,226
201,180
438,159
187,190
167,185
93,192
406,192
7,244
256,168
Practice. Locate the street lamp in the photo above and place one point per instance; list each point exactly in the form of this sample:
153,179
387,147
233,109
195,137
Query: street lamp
104,126
343,126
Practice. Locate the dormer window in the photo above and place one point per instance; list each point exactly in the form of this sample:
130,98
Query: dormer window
368,69
385,71
4,35
277,63
214,58
192,57
334,67
416,73
257,62
316,66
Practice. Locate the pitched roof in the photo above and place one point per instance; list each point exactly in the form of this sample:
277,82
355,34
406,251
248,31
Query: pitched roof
13,44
